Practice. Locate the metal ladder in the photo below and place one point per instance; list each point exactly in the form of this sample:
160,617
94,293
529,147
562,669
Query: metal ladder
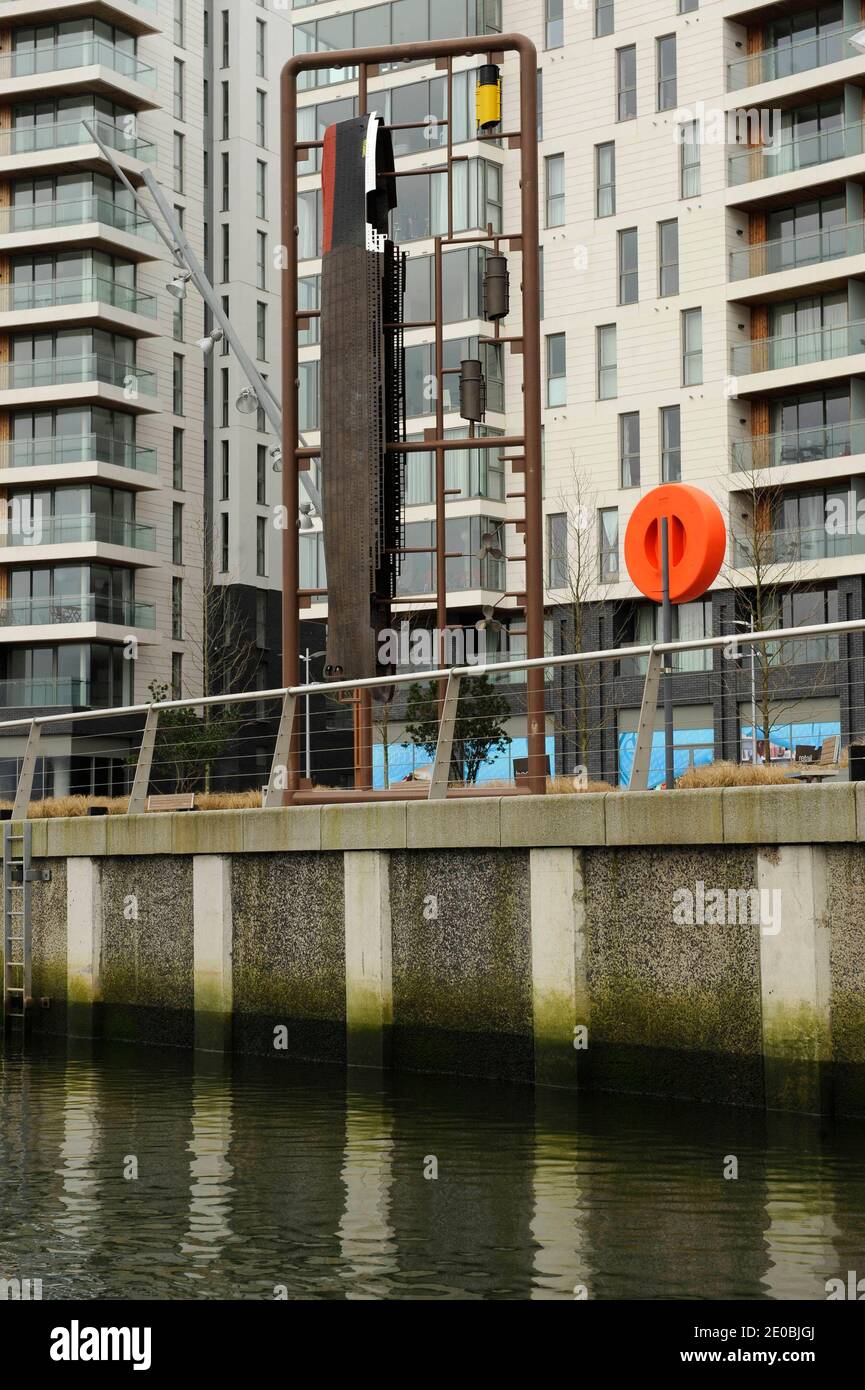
17,877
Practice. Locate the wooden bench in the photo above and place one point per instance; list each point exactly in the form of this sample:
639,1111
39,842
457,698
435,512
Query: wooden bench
824,766
182,801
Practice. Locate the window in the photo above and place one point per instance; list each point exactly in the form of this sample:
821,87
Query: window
605,179
261,260
177,675
261,331
688,6
225,111
260,188
671,444
626,83
261,620
180,23
608,544
226,249
261,118
224,350
604,18
178,89
178,162
629,449
223,542
260,46
224,472
554,29
224,403
261,545
689,168
177,320
225,53
607,365
665,72
554,172
557,550
226,176
557,387
177,459
177,609
628,272
668,258
177,533
539,91
177,384
692,347
261,475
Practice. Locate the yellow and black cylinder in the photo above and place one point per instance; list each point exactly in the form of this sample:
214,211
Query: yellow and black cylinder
488,97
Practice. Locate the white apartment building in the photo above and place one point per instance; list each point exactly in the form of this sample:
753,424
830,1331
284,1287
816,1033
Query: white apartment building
101,384
702,232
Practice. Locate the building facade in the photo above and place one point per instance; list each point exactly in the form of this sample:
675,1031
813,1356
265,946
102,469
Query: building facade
101,384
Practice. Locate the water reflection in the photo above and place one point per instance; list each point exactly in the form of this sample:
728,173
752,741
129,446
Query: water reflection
140,1173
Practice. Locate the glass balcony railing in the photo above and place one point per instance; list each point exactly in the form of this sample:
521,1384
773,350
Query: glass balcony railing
788,253
784,547
73,212
799,446
60,135
798,349
799,56
64,371
87,608
139,4
76,289
39,694
785,155
78,448
84,52
92,526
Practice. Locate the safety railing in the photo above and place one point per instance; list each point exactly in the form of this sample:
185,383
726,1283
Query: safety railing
783,681
787,153
77,448
793,252
80,53
784,60
123,136
90,366
35,529
822,344
76,289
811,445
73,212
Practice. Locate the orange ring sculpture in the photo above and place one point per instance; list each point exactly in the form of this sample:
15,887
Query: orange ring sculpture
697,541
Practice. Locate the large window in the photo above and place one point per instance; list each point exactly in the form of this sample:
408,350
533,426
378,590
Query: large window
557,385
671,444
554,25
604,18
605,179
689,152
629,286
557,550
668,258
465,569
665,60
468,472
554,185
626,83
629,449
692,347
608,544
607,362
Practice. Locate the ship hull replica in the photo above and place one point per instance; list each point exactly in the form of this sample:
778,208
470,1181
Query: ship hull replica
361,395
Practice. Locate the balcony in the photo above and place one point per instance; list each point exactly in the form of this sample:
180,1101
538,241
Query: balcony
803,55
44,694
791,547
84,53
75,530
84,448
66,135
786,157
798,446
39,297
789,253
90,608
70,371
798,349
134,16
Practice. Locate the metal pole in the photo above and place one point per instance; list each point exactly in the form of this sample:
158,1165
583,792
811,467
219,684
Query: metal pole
754,699
290,461
667,629
307,740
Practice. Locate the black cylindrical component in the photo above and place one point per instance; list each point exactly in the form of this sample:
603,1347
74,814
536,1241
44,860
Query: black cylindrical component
856,762
473,389
496,287
488,75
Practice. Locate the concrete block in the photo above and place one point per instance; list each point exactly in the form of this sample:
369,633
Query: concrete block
39,838
212,951
144,834
789,815
459,824
206,832
529,821
377,825
282,829
859,788
794,975
84,934
76,835
664,818
368,962
559,987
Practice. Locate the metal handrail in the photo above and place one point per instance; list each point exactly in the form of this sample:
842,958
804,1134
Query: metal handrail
790,253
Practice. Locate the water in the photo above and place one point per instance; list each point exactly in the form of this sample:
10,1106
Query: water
265,1179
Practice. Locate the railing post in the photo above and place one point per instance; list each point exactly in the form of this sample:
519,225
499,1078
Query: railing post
273,791
28,770
438,787
141,780
639,779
